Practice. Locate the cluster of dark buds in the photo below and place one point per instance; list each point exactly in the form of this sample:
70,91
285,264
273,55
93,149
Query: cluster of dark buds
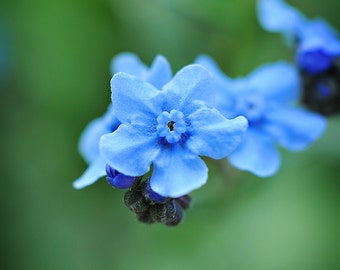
153,208
322,91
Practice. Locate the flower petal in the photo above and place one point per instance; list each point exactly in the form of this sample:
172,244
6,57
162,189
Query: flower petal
177,172
212,135
191,83
122,181
256,153
130,149
92,173
277,81
227,89
159,73
319,29
132,97
211,65
129,63
295,128
89,139
278,16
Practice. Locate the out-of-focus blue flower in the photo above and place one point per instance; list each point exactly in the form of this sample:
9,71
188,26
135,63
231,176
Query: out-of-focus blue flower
266,98
169,128
158,74
317,42
317,53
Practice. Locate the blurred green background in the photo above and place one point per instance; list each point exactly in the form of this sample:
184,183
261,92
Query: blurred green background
57,80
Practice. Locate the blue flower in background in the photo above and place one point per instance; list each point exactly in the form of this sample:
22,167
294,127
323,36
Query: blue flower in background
169,128
266,98
317,52
158,74
317,42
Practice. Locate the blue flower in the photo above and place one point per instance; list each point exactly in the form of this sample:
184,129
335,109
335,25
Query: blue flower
169,128
158,74
266,98
317,53
317,42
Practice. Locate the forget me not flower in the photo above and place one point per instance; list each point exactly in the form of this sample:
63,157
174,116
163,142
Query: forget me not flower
266,98
317,41
169,128
317,52
158,74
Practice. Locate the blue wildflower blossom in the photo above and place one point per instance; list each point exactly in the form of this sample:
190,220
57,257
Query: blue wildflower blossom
317,52
317,41
169,128
158,74
266,98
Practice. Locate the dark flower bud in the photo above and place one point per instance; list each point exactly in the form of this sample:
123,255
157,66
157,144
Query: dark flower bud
170,213
321,92
135,201
145,217
184,201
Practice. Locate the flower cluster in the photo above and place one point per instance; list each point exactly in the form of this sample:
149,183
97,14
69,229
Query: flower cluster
317,52
268,102
159,125
169,128
150,207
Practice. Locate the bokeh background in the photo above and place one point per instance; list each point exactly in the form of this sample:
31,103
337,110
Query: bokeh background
54,79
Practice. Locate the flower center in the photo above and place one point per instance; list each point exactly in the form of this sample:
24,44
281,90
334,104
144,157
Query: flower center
252,108
171,125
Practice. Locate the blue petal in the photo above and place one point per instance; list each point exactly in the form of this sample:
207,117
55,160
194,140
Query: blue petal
130,149
277,16
278,81
226,88
153,196
314,60
295,128
212,135
122,181
132,97
257,153
159,73
318,28
128,63
177,172
191,83
220,78
92,173
89,140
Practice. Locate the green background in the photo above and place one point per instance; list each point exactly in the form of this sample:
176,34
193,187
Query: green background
57,80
